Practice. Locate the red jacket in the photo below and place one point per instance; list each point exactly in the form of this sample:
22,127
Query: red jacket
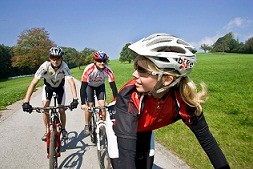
134,115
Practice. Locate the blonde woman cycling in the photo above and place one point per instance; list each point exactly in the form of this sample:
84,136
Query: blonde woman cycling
160,94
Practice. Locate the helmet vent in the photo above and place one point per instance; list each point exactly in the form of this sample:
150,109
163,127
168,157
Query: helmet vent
161,59
193,50
170,49
160,40
179,41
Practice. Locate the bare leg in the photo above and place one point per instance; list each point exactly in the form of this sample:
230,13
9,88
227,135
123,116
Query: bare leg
46,103
63,117
87,114
102,103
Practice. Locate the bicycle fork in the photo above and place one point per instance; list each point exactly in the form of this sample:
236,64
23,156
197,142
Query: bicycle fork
100,124
54,127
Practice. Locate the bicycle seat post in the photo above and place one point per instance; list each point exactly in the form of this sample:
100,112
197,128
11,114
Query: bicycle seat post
55,97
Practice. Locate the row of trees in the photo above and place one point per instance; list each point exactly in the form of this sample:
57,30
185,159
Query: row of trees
32,50
229,44
226,44
33,44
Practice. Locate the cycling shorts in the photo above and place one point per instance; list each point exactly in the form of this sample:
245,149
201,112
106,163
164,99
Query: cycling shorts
47,94
99,91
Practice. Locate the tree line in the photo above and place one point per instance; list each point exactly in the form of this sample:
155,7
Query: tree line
33,45
229,44
32,49
224,44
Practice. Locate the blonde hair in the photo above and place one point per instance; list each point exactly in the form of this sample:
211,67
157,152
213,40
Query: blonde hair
190,95
187,88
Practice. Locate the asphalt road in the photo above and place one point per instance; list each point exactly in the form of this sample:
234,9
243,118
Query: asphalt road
22,148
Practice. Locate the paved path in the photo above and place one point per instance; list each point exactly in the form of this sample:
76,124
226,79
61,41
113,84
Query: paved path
22,148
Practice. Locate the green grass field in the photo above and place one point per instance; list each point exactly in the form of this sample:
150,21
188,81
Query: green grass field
228,111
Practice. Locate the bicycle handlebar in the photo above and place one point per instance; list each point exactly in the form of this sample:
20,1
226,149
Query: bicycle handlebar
98,107
38,109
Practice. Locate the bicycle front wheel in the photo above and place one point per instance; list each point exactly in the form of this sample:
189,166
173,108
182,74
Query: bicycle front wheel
102,151
52,150
92,128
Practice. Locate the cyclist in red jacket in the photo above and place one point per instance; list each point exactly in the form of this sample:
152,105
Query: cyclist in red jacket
160,94
93,80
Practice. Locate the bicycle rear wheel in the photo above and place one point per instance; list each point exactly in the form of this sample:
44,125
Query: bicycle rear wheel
92,128
102,151
52,150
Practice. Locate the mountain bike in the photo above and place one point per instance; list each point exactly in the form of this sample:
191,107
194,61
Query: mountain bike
53,140
97,128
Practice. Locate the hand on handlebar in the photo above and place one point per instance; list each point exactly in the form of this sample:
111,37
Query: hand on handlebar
84,107
27,107
74,104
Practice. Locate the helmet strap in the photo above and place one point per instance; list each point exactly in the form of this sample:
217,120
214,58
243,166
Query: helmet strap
160,90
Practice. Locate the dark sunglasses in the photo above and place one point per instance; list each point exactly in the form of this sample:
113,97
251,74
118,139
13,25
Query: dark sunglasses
143,72
100,61
55,58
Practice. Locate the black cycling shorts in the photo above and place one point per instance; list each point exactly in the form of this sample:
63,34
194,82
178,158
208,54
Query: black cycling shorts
99,91
48,93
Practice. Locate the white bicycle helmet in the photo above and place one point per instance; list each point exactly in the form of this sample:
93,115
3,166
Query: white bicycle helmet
167,52
56,52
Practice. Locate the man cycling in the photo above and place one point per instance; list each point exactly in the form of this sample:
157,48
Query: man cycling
93,79
54,73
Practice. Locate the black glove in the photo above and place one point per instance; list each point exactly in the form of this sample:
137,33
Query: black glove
27,107
74,104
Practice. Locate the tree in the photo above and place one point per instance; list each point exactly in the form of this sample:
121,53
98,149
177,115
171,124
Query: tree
86,56
226,43
220,45
71,56
241,48
205,47
248,47
5,61
127,55
32,47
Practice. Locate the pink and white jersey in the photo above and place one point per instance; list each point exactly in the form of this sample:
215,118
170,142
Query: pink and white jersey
96,77
53,77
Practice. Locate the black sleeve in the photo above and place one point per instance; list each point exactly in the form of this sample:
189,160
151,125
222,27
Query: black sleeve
83,93
134,153
127,151
208,143
114,89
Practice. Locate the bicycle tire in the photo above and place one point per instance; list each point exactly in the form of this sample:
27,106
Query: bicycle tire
93,121
102,149
52,150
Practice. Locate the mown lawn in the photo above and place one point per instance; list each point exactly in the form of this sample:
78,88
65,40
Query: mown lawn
13,90
228,111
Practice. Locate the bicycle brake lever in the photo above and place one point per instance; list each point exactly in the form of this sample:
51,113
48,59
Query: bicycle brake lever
37,110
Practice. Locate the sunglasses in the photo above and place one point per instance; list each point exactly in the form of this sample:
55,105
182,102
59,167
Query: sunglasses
100,61
143,72
55,58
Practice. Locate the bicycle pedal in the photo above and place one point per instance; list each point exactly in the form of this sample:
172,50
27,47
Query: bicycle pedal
64,137
57,155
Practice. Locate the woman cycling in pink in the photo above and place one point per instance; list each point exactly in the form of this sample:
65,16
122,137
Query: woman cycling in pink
93,82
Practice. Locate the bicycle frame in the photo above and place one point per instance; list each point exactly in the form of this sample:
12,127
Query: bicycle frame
53,141
100,138
97,118
55,127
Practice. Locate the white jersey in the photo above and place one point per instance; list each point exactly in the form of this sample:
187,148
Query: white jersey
96,77
51,76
